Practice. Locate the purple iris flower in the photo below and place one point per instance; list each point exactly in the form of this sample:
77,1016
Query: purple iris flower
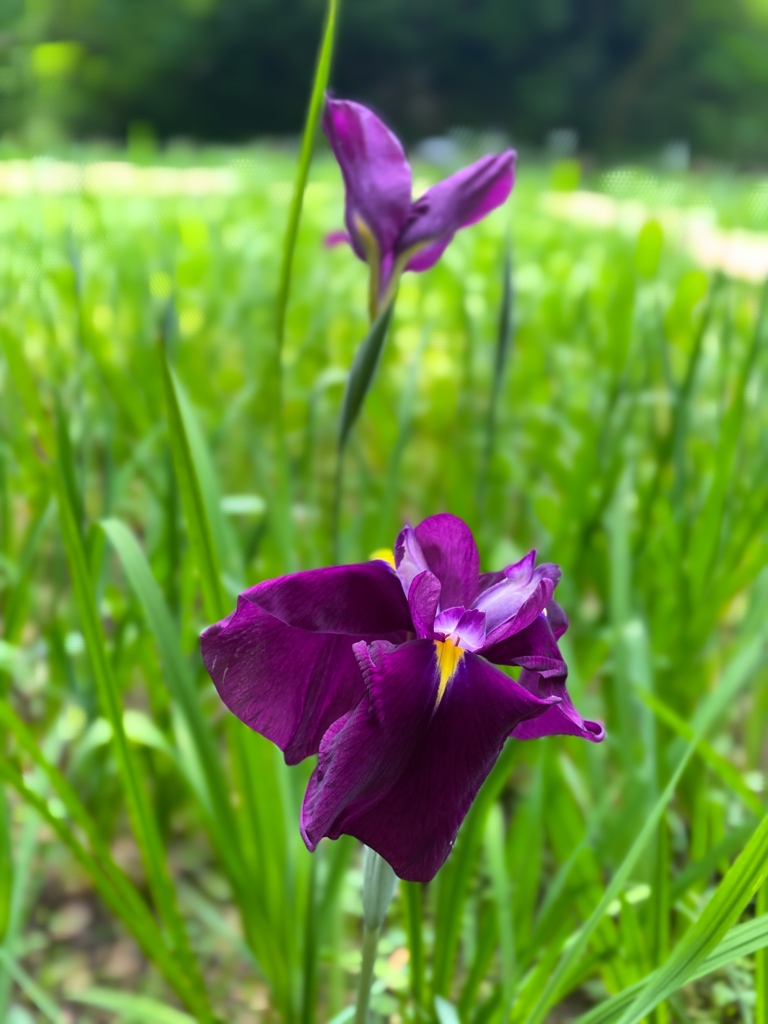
387,228
388,670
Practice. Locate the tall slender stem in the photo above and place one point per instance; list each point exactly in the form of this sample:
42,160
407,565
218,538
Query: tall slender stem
338,488
379,883
370,945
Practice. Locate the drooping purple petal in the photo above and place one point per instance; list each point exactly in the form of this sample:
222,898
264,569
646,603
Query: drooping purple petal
283,660
536,643
561,719
544,674
558,620
451,554
427,257
460,200
518,598
362,757
377,176
400,773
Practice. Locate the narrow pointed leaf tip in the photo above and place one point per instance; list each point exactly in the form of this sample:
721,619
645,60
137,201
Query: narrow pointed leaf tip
388,671
362,373
386,227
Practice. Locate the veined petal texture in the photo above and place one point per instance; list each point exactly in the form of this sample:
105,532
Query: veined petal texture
377,175
283,660
401,770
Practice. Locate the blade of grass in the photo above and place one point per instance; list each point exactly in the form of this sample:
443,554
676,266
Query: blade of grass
153,945
267,928
362,372
23,874
412,894
358,382
31,989
478,968
719,764
740,942
200,536
456,876
136,913
701,870
140,812
501,358
15,606
6,865
666,446
28,389
282,512
705,541
761,959
226,543
567,824
737,888
138,807
316,100
494,844
179,678
733,679
132,1008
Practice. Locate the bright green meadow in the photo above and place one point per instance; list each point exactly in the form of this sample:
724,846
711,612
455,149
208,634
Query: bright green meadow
157,455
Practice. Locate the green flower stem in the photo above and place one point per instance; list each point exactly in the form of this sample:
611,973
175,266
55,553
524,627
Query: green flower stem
370,945
379,883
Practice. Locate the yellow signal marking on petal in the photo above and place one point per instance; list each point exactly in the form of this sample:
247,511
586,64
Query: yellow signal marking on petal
373,259
383,555
448,658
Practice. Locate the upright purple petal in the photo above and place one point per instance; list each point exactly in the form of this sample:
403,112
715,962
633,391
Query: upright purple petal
409,558
460,200
544,673
466,626
377,176
423,599
451,554
400,773
518,598
283,660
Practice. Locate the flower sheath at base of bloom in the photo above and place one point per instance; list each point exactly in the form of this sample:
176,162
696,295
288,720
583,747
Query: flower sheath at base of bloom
389,674
386,228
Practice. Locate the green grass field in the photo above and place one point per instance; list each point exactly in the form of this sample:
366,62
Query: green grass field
151,867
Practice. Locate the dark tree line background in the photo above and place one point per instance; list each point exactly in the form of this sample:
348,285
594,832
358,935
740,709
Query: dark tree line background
627,75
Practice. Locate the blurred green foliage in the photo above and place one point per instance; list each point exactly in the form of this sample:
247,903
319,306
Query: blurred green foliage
137,496
627,75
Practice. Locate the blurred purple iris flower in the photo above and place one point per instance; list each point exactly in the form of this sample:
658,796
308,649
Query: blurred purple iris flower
386,228
388,672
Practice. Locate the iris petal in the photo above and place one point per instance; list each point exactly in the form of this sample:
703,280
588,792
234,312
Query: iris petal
283,660
460,200
517,598
401,771
423,600
467,626
409,558
450,552
544,673
377,176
